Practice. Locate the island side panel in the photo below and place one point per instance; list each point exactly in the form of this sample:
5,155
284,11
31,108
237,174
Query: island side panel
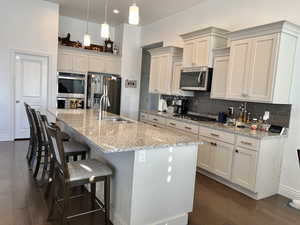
163,185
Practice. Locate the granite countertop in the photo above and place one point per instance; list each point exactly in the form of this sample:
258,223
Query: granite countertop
118,136
219,126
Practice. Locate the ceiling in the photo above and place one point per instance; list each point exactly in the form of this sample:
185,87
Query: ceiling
150,10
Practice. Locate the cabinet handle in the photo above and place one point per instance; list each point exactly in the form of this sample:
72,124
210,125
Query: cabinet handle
213,144
173,124
237,151
214,135
188,128
155,119
246,143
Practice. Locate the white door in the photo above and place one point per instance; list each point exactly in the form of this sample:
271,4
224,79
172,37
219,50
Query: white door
262,68
219,82
205,154
223,160
31,74
202,51
240,52
244,168
189,54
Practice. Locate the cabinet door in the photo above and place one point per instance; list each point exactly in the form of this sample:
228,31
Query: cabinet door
219,81
113,66
205,155
80,63
189,54
240,52
176,78
262,68
96,64
222,164
165,74
65,62
154,74
201,51
244,168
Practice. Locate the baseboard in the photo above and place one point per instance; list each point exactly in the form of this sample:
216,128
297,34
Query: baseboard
4,136
289,192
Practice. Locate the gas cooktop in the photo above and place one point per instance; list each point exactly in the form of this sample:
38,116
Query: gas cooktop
194,117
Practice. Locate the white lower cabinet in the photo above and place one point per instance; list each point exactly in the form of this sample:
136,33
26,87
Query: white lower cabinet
205,155
244,168
215,157
222,160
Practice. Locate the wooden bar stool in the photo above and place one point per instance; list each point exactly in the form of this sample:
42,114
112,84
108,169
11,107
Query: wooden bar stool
75,174
72,149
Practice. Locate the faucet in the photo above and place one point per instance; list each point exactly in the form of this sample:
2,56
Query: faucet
104,103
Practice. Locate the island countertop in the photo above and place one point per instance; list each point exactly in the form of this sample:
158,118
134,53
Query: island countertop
117,136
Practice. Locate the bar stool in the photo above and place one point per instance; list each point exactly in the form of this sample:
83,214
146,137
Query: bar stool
75,174
31,137
72,149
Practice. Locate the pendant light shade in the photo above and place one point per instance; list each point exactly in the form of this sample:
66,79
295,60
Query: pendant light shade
134,14
104,30
87,40
87,37
105,26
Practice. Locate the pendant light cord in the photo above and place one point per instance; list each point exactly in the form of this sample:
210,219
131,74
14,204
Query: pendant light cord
87,16
106,5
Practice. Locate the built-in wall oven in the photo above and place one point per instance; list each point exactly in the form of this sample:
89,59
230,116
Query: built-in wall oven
196,79
71,90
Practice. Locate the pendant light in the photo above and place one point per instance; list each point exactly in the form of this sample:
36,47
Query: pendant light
134,14
105,26
87,37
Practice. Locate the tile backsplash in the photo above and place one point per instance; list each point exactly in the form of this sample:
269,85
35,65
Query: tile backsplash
202,103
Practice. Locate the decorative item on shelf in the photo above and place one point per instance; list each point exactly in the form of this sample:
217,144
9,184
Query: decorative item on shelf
116,50
65,41
94,47
109,45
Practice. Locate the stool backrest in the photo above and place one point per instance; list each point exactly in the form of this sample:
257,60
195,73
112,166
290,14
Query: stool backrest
57,147
298,155
29,117
36,124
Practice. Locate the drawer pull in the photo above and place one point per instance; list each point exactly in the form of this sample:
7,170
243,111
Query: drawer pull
246,143
173,124
214,135
188,128
213,144
155,119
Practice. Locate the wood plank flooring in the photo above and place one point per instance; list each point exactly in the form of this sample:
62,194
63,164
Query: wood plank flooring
22,202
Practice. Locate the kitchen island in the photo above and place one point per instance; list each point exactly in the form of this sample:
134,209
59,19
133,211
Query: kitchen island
154,168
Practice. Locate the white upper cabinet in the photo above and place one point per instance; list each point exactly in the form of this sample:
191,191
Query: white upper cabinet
165,70
261,63
82,61
68,62
198,46
220,72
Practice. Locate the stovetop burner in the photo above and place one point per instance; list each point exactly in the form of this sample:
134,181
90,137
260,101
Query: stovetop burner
194,117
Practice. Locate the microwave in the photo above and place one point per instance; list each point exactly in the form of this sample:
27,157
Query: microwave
196,79
71,85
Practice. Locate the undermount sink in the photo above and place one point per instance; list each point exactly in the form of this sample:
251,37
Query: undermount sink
117,119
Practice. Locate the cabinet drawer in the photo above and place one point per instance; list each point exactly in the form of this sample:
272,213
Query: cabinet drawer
247,142
217,134
189,127
157,119
143,116
172,123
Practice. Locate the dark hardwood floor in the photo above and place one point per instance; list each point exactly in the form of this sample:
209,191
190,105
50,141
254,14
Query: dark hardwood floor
22,202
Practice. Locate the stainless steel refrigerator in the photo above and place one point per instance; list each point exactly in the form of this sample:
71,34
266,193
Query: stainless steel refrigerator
97,83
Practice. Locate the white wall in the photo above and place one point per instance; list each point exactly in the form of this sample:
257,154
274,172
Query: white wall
25,25
77,29
131,68
234,15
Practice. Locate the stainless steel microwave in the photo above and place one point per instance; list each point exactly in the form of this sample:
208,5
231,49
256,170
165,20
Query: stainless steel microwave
196,79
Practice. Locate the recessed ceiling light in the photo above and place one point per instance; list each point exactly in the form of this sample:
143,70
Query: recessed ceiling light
116,11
